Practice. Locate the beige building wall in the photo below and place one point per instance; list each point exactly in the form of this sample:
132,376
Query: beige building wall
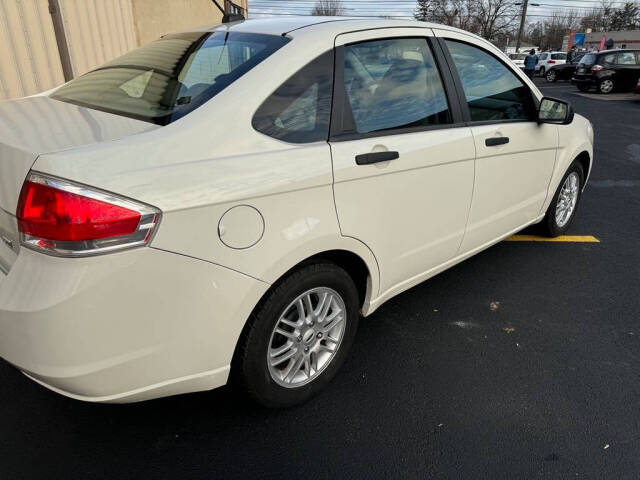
96,31
29,59
154,18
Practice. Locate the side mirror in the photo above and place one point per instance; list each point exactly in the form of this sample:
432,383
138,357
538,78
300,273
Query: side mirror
555,111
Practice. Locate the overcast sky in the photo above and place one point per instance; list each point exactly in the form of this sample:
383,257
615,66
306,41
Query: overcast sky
403,8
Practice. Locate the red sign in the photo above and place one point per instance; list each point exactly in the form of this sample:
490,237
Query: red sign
570,44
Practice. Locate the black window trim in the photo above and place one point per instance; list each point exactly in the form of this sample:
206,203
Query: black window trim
342,118
462,98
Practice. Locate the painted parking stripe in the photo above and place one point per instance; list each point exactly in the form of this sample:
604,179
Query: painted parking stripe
562,238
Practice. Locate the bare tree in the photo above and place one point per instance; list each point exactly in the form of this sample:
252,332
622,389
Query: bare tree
329,8
496,17
599,18
456,13
548,34
488,18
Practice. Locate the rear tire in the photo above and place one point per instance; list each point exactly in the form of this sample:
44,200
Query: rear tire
541,72
606,86
551,76
286,336
564,204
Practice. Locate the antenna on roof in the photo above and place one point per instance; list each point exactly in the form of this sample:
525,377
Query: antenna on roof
234,14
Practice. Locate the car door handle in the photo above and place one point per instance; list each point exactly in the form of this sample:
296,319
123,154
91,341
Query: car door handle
369,158
495,141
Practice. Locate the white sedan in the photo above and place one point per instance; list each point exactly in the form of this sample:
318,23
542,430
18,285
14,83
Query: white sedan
226,203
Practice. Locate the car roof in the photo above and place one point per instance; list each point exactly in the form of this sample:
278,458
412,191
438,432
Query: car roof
320,25
617,50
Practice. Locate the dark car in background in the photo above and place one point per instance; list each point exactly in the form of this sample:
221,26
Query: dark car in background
608,71
564,71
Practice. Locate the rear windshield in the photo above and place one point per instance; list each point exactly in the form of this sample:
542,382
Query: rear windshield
165,80
558,56
517,56
588,59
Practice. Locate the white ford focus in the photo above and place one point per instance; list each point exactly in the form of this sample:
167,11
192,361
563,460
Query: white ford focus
226,203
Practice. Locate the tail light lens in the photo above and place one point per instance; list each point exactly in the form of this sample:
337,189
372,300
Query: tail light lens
551,62
596,68
67,219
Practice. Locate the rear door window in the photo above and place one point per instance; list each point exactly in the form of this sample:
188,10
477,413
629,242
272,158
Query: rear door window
626,58
393,84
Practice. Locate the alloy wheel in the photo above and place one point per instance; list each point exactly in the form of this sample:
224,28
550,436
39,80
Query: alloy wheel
306,337
567,199
551,76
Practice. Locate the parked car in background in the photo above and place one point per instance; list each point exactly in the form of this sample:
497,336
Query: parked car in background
638,86
219,205
563,71
548,59
608,71
518,59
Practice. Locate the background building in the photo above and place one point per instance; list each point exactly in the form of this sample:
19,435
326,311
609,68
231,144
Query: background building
45,42
630,38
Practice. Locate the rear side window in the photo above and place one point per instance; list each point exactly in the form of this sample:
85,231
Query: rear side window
558,56
166,79
300,109
588,59
393,84
492,90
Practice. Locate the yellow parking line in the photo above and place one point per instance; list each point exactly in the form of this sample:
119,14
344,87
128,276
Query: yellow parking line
563,238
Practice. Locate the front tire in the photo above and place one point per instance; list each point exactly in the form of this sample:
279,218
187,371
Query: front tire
565,202
298,336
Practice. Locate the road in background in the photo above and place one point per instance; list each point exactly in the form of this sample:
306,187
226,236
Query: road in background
521,362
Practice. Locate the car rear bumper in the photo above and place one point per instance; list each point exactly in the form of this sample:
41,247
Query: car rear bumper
123,327
583,80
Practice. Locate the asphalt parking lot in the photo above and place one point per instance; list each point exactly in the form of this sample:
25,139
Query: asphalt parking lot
522,362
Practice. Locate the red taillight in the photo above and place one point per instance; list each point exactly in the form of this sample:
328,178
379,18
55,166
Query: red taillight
53,214
65,218
596,68
551,62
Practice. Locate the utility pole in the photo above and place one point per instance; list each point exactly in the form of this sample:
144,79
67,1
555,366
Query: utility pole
525,4
522,20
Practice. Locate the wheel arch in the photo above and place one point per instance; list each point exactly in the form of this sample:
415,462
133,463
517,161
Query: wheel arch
584,158
348,253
